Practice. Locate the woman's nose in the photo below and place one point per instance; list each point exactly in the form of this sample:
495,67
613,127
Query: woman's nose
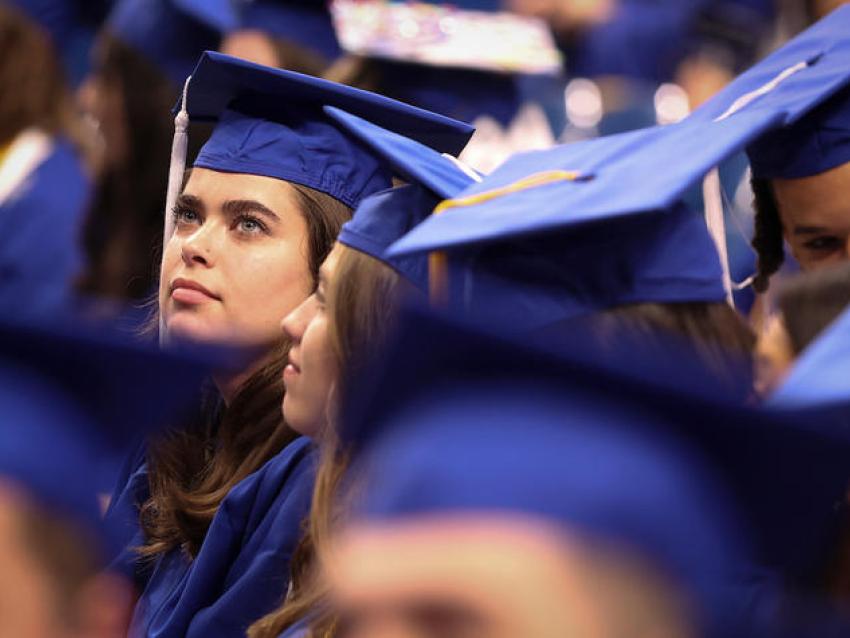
295,322
197,248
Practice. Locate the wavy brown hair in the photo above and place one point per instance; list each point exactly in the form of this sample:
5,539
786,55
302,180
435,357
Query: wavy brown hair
362,302
192,469
35,93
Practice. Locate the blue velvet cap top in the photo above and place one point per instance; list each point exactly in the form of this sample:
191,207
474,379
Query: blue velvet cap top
271,122
386,216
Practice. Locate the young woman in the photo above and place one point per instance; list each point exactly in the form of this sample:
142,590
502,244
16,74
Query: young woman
800,177
212,512
139,63
44,181
337,329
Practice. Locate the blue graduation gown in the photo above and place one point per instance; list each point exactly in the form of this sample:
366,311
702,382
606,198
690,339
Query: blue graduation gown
40,225
242,570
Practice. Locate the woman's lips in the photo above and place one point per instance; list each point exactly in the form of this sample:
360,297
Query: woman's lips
190,292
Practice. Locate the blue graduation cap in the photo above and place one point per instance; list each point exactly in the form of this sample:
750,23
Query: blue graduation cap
558,233
453,419
821,375
804,82
57,17
171,33
305,22
270,122
70,393
383,218
814,144
597,182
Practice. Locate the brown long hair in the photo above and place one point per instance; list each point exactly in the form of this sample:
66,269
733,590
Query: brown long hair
767,240
35,92
720,339
362,301
193,469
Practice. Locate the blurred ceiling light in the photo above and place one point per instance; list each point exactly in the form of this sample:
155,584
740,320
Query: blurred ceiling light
583,101
671,104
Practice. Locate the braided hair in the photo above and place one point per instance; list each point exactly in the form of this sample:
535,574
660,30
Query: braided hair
767,238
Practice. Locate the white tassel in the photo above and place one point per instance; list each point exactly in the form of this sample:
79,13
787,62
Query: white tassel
176,170
716,223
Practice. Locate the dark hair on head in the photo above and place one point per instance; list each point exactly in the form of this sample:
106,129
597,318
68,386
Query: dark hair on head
325,216
720,338
193,468
767,238
122,234
809,302
35,93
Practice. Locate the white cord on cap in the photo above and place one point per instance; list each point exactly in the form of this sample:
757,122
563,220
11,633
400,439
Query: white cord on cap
176,170
712,195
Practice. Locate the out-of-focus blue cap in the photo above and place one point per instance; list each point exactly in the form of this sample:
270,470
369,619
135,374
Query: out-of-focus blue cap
452,419
57,17
70,393
802,83
462,93
821,375
271,122
383,218
304,22
171,33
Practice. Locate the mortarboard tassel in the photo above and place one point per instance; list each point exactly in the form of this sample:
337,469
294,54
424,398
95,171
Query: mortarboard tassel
176,170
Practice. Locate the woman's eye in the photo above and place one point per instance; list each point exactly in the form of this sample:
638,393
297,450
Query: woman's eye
823,244
186,216
250,225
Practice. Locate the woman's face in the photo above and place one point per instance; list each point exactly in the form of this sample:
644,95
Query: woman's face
815,214
313,367
238,259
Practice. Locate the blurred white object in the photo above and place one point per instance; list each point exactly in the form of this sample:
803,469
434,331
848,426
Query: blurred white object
443,35
491,144
583,103
671,104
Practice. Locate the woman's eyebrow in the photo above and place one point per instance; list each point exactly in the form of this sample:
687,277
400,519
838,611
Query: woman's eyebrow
809,230
190,201
235,207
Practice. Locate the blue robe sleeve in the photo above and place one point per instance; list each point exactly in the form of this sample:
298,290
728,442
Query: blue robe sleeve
40,227
241,572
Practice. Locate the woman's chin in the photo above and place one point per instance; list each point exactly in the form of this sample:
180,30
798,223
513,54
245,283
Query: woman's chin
182,329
